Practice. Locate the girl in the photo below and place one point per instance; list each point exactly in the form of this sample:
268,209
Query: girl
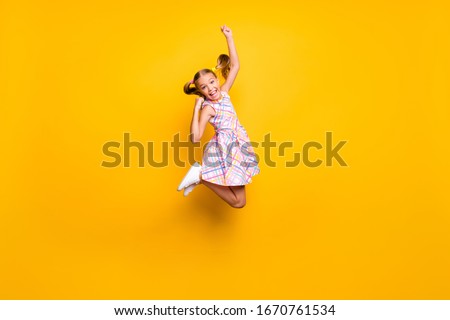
229,161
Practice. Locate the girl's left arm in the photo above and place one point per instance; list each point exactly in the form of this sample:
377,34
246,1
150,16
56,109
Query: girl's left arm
234,59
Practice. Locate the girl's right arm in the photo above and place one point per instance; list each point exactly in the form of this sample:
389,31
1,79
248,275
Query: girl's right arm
198,126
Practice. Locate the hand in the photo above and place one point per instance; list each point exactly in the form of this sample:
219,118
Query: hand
226,31
199,102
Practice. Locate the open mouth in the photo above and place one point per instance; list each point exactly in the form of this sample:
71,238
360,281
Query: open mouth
214,93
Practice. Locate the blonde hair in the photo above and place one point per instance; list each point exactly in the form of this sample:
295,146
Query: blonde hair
223,64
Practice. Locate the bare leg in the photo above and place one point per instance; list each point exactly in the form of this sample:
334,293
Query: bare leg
233,195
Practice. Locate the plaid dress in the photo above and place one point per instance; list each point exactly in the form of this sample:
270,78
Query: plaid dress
228,158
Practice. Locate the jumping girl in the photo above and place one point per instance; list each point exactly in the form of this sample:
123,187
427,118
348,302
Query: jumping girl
229,161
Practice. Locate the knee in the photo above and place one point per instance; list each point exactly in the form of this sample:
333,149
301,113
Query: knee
238,204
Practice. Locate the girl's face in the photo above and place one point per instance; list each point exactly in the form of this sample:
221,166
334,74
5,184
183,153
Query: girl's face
208,85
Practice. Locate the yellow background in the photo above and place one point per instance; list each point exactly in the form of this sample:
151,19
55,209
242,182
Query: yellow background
75,75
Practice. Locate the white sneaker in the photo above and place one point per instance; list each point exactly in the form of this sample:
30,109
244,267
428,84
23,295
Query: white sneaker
189,189
193,176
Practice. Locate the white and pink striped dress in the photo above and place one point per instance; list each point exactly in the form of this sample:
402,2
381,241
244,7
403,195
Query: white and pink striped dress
229,158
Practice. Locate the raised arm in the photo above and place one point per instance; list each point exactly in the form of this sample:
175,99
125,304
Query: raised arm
234,60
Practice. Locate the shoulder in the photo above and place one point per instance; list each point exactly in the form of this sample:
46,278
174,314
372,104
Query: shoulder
207,107
225,93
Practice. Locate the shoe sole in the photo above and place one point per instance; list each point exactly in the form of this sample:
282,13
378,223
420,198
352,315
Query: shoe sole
187,175
186,194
